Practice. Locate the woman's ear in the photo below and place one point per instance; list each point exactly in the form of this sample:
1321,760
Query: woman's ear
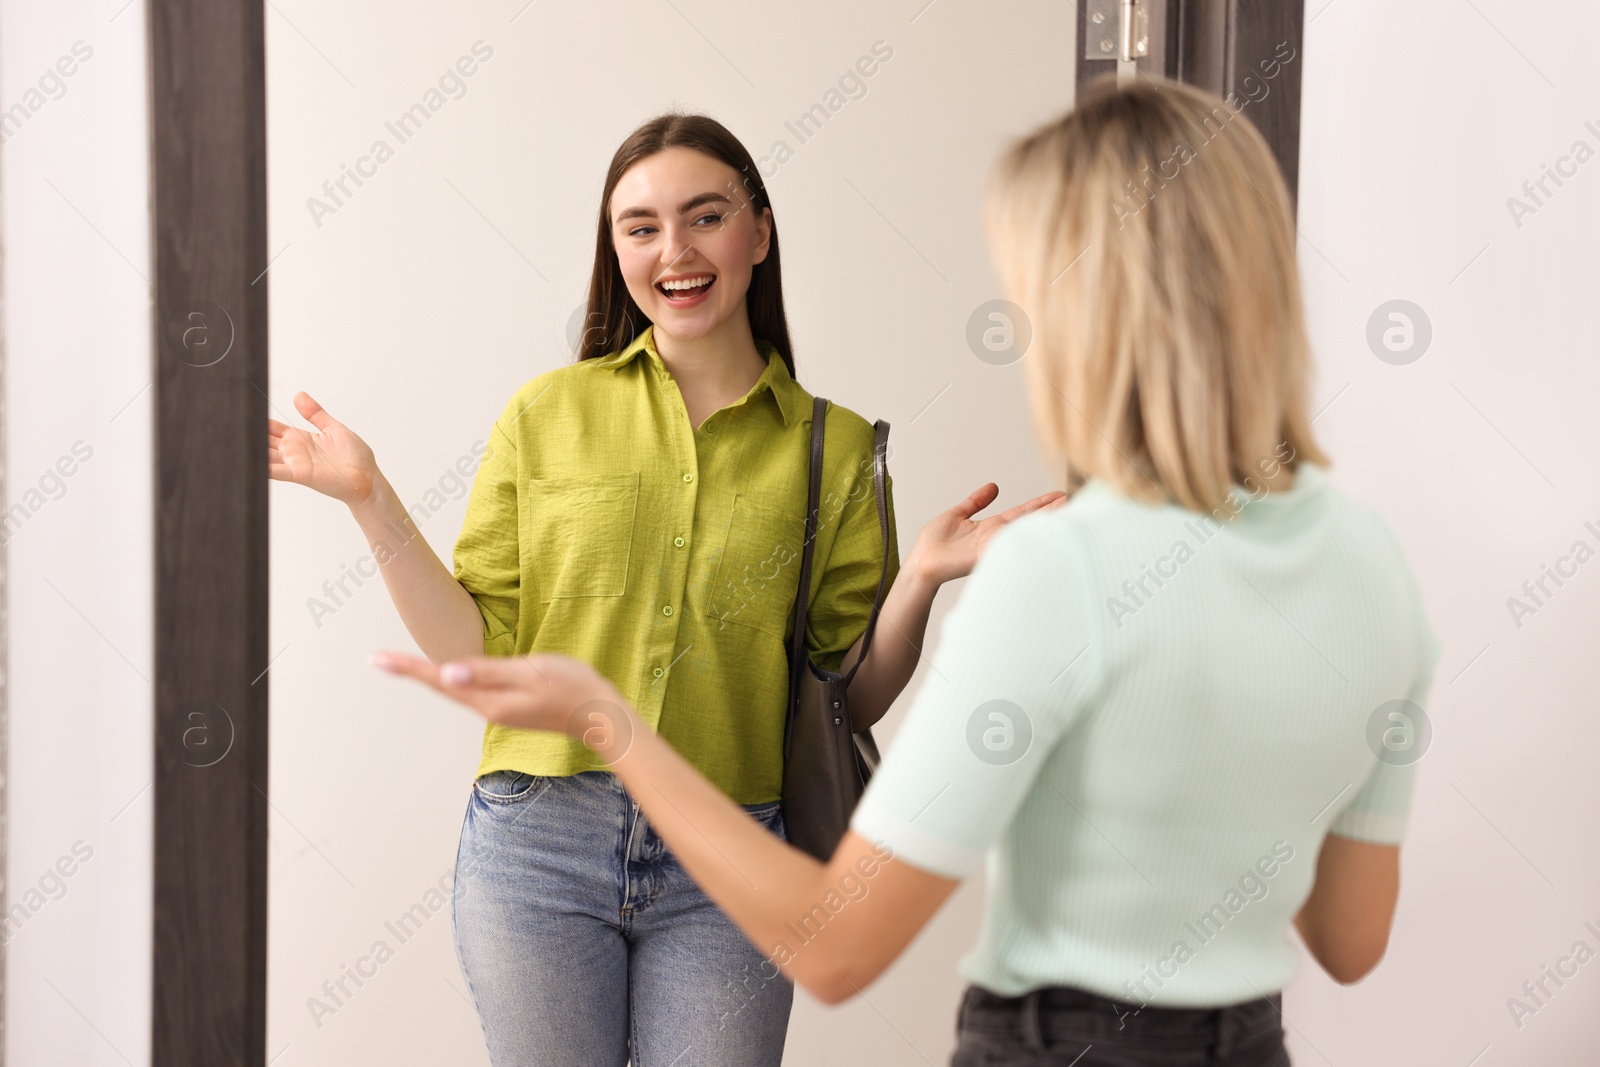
763,236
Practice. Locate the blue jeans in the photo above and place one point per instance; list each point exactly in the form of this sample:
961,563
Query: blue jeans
584,942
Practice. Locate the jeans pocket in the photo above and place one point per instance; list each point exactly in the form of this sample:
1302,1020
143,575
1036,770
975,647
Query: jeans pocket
509,787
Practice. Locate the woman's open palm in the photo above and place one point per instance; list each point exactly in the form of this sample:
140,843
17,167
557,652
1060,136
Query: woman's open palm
950,544
334,461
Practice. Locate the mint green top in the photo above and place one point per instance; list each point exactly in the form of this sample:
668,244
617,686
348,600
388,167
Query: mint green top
1143,722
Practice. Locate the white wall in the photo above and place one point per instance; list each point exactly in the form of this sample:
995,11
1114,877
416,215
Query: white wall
448,278
1419,122
75,228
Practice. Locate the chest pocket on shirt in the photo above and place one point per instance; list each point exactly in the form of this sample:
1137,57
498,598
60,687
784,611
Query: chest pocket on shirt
759,569
579,535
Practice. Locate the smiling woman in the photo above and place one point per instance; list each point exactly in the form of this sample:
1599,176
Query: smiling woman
626,553
687,235
633,512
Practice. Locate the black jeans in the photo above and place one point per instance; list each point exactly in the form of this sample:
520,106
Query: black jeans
1059,1026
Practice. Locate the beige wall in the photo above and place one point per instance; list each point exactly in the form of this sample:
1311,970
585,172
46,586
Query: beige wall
77,543
447,279
1420,121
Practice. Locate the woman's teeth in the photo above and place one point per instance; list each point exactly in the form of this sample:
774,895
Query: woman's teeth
685,288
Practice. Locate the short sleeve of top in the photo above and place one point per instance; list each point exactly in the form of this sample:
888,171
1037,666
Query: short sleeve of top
1378,812
485,559
1015,664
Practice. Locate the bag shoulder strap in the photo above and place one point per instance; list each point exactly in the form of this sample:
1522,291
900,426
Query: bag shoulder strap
880,444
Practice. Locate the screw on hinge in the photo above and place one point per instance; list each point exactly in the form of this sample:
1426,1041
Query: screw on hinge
1117,29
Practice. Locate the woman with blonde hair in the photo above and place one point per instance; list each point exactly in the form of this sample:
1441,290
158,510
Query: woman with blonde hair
1165,712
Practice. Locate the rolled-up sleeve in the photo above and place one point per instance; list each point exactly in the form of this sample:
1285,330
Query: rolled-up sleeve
841,603
487,560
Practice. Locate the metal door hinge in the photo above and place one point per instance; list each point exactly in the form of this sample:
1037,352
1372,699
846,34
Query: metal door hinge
1117,29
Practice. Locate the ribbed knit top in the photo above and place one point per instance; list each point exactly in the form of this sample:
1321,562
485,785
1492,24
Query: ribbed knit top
1144,721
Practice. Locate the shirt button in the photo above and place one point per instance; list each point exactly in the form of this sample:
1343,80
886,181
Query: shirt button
667,609
657,671
678,541
688,477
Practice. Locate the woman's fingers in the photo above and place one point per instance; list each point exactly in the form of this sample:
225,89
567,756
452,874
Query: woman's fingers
546,691
418,667
985,495
484,702
976,500
513,690
313,411
1042,500
466,673
491,672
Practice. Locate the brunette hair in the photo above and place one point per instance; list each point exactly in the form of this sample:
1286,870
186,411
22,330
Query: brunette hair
614,319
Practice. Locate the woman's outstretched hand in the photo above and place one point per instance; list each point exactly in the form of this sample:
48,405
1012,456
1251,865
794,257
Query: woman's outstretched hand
542,691
950,544
334,462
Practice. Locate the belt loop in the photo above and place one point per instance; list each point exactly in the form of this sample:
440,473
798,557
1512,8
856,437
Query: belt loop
1223,1038
1032,1029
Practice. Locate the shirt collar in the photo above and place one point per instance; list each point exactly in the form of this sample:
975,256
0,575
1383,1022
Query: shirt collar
775,379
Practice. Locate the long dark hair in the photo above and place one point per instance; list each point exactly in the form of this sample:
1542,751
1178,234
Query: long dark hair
613,318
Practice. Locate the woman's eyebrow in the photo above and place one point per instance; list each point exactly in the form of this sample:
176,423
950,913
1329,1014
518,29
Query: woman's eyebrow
688,205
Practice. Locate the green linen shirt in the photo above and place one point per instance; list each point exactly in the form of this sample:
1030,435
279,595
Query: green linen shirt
602,524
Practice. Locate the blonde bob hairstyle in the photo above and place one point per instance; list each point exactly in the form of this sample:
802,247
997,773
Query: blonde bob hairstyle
1146,235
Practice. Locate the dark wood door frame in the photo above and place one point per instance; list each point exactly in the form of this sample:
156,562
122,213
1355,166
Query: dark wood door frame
1234,48
209,367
